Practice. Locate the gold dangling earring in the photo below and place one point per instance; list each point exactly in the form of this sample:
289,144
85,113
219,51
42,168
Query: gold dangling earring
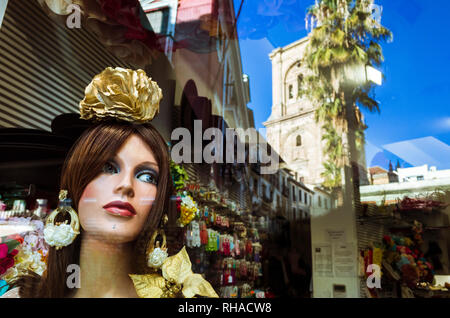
156,253
60,235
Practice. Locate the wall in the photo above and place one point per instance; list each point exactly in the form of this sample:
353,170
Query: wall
381,178
161,71
209,66
293,117
427,174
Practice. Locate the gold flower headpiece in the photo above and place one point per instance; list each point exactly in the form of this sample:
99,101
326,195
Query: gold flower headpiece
123,94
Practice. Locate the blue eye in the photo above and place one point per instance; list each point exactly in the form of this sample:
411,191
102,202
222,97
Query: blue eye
148,176
110,167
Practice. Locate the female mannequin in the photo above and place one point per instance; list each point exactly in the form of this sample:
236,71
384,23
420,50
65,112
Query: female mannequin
117,177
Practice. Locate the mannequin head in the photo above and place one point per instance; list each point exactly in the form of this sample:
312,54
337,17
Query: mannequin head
112,161
118,162
129,178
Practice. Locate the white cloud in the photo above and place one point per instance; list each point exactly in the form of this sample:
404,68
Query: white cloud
443,123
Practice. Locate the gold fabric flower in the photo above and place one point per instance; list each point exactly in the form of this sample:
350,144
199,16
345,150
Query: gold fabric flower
123,94
176,276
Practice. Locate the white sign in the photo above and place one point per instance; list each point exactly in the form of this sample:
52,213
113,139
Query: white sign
344,260
336,235
323,262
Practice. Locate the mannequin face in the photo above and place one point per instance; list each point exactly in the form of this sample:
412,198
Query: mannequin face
115,205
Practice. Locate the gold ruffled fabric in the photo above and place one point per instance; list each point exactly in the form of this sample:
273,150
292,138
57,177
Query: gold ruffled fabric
108,32
121,93
176,276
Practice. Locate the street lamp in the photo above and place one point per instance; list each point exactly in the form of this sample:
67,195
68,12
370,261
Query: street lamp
356,74
373,75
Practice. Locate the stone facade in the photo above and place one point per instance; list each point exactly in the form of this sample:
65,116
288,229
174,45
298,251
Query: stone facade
291,128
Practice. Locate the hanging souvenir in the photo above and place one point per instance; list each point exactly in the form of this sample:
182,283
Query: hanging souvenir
242,247
217,247
214,238
179,175
256,251
232,246
188,209
203,233
228,276
236,249
209,247
226,246
260,271
212,217
235,292
246,288
224,272
237,264
218,220
221,241
248,247
232,279
243,269
189,236
195,234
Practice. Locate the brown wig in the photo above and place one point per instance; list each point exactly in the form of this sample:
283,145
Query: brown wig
85,160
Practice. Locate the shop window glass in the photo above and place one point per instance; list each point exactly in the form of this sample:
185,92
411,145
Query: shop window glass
268,67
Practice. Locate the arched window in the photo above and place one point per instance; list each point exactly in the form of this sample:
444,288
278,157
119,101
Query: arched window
291,93
299,141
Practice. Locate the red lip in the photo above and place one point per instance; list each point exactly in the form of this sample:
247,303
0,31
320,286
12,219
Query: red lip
120,208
